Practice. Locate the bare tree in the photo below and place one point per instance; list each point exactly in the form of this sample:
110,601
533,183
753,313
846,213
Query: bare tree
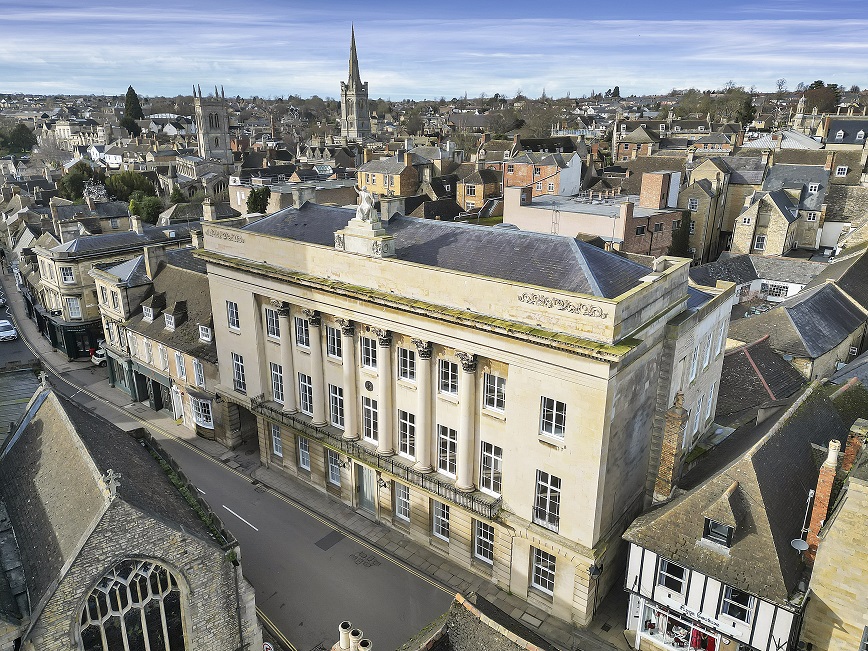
781,85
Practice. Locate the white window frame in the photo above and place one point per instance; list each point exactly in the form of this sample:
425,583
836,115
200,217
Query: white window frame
147,313
697,421
202,412
368,349
276,440
116,300
164,358
494,392
543,570
760,243
103,294
149,352
239,381
232,319
728,601
305,394
841,171
406,434
169,320
447,450
547,500
304,453
551,187
336,406
665,572
333,463
370,420
334,344
406,364
440,520
204,333
709,403
721,338
180,366
402,501
73,307
693,204
277,386
272,323
198,371
694,363
134,344
302,332
483,541
813,187
552,417
490,468
812,217
706,358
67,275
447,377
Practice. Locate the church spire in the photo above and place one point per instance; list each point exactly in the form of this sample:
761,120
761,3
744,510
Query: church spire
355,79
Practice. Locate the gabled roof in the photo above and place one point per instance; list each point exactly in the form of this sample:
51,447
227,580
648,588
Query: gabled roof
850,274
640,135
851,129
484,176
752,375
529,258
105,209
762,492
745,268
799,177
807,325
123,240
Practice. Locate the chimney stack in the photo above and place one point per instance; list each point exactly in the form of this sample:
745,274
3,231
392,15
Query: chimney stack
196,239
822,496
155,259
855,441
91,204
830,157
136,224
302,194
209,210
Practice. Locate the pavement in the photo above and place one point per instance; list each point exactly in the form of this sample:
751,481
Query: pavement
420,571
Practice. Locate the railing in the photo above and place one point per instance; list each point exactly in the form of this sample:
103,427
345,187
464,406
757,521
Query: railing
478,503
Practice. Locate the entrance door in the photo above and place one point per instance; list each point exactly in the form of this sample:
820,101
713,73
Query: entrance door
366,487
177,403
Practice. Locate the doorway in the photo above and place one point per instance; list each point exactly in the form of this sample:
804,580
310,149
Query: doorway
366,487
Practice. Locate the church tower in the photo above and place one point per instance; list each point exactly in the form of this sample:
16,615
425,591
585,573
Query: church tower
212,126
355,117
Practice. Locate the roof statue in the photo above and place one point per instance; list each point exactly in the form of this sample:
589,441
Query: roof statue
365,210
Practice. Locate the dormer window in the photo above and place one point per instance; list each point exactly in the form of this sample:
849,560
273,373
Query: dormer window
148,314
813,187
860,135
204,333
839,135
170,321
717,532
841,170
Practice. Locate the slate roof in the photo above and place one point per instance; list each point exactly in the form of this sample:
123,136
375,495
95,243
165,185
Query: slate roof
124,239
640,136
806,325
192,212
850,274
851,129
523,257
746,268
754,374
484,177
180,287
798,177
106,209
857,368
764,490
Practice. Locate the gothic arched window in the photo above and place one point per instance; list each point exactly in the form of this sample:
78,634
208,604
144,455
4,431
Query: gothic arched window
216,120
136,606
210,120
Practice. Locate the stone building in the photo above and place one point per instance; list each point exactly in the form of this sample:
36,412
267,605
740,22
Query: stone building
458,383
212,127
159,335
355,116
101,550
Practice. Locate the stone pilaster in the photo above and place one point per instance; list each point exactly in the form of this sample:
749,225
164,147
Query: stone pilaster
348,353
385,435
423,409
466,430
289,403
316,371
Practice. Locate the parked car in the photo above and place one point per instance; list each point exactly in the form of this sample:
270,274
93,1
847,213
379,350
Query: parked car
98,357
7,331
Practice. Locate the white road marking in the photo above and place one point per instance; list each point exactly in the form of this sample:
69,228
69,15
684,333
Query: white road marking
200,490
240,518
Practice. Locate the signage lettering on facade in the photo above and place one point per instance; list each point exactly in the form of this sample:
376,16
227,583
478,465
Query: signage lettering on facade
698,616
224,235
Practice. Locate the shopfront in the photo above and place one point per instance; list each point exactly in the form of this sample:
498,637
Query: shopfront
666,628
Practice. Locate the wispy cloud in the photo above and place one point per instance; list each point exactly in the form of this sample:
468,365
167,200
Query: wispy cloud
272,48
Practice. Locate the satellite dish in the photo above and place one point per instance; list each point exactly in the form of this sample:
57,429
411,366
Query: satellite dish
799,545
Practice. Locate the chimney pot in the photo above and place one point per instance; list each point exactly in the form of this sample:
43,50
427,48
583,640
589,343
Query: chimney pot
355,638
365,645
832,459
344,631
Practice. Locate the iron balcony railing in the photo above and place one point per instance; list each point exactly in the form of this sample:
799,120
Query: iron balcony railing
479,503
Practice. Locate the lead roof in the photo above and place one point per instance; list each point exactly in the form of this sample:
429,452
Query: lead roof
525,257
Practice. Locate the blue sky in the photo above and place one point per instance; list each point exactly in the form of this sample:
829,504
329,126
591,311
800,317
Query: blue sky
427,49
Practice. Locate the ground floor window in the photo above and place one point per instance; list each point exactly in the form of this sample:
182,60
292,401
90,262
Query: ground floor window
675,631
202,412
543,574
402,501
303,453
484,546
334,464
440,515
276,441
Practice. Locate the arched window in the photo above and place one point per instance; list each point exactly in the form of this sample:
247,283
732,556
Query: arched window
135,607
216,120
210,120
216,142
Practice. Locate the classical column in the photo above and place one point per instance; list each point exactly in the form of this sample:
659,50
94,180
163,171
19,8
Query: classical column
289,404
348,358
467,404
385,442
316,371
423,409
